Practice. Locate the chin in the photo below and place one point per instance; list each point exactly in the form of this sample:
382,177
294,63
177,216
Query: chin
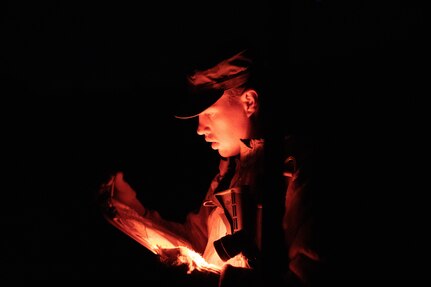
222,153
226,154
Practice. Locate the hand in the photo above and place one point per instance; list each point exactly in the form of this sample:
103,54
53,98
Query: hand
183,256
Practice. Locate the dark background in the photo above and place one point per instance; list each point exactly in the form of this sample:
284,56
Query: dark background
89,88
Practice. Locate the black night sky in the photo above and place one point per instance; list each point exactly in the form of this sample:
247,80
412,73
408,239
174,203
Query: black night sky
88,88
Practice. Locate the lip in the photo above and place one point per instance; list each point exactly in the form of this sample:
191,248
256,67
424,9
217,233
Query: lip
215,145
209,139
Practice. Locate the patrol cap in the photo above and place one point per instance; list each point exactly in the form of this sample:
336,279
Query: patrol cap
206,86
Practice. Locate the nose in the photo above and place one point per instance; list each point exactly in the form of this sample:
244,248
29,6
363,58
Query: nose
202,128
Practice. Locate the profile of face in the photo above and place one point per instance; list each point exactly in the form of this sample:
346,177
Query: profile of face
228,121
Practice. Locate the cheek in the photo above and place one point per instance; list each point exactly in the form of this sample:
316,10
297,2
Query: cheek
237,125
240,120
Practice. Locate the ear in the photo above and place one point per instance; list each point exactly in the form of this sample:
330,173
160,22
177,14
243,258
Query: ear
250,101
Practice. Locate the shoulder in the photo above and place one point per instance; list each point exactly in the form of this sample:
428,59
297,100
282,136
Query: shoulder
297,152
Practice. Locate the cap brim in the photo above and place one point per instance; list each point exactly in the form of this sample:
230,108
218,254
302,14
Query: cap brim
196,102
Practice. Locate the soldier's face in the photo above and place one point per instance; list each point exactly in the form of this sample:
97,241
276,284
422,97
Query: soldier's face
224,124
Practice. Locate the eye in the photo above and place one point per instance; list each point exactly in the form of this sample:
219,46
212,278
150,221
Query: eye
209,115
